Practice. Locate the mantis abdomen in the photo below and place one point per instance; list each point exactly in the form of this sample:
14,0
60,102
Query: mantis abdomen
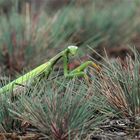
28,76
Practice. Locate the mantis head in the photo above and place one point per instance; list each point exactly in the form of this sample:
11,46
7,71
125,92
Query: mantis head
72,49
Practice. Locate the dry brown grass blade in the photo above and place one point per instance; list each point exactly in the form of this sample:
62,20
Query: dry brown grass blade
15,136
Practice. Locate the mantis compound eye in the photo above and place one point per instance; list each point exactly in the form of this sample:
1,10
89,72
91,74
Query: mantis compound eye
73,49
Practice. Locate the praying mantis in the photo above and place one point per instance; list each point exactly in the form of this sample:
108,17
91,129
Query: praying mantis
46,68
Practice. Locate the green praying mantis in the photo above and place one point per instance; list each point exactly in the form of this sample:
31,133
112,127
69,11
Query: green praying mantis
46,68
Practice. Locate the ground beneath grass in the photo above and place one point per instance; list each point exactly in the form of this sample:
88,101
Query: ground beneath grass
111,129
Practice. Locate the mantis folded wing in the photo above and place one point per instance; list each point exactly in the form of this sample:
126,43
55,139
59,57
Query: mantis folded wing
46,68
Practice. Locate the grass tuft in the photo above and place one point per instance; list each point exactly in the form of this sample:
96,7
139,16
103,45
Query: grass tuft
119,83
60,110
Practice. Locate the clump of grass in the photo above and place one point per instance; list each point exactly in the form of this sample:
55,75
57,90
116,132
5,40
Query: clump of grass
20,36
60,110
8,123
99,23
119,83
22,33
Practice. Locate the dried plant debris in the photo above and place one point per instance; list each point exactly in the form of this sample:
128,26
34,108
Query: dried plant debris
15,136
116,129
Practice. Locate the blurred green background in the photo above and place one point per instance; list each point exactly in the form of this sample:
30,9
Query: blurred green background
32,31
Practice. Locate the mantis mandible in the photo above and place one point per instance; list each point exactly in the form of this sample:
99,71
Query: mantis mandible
46,68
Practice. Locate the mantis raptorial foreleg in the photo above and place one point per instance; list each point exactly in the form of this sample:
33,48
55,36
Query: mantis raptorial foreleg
79,71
